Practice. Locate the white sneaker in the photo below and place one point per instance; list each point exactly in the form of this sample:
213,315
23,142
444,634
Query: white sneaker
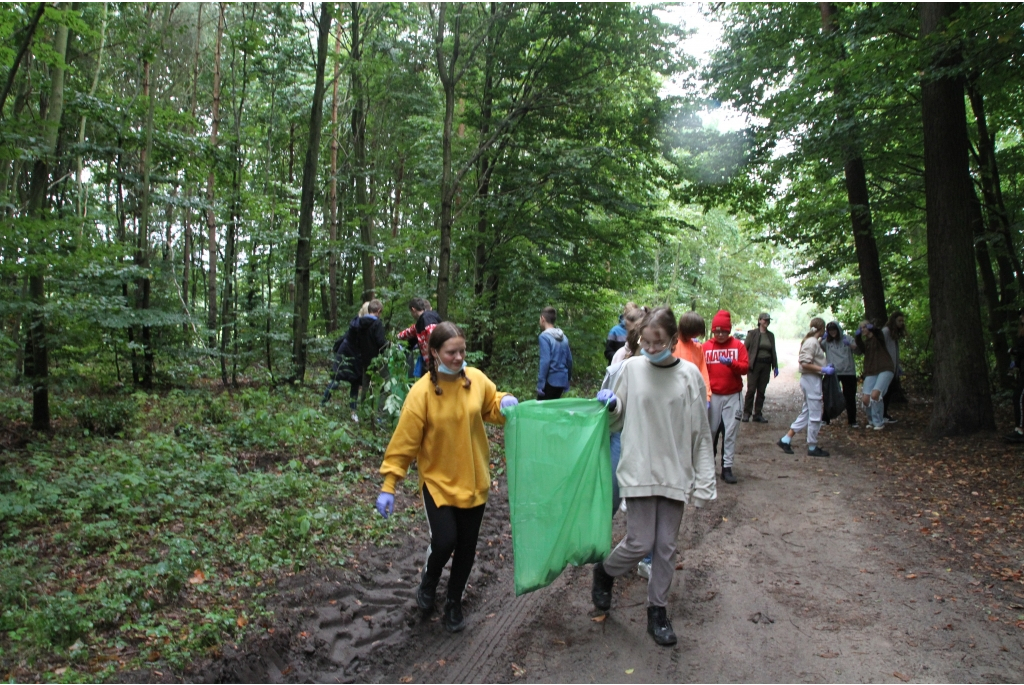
879,427
643,569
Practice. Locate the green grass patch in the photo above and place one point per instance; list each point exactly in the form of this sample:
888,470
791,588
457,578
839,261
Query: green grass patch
148,530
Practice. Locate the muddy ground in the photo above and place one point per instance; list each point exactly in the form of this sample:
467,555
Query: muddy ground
807,570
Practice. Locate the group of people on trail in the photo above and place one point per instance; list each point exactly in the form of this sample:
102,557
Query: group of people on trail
668,394
826,351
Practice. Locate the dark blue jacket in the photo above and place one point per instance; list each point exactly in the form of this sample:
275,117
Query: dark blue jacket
555,360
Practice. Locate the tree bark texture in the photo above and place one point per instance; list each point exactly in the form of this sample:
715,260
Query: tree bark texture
332,255
37,279
446,74
962,397
855,176
366,238
211,217
304,247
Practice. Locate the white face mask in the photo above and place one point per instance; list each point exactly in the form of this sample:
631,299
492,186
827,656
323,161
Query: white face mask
444,369
659,357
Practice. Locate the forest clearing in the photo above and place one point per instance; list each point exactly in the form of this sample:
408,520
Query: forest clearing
214,215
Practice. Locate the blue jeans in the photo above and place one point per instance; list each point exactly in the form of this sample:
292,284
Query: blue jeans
616,444
876,408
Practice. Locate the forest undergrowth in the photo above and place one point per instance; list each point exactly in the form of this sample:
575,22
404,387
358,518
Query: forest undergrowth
149,528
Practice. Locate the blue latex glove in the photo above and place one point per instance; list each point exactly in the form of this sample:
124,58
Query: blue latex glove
828,370
776,373
725,360
507,402
1013,365
709,404
385,504
607,398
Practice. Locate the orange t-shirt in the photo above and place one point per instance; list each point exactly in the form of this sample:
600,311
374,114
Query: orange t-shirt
693,353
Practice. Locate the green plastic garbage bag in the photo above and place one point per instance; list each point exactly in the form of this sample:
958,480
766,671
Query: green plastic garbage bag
559,487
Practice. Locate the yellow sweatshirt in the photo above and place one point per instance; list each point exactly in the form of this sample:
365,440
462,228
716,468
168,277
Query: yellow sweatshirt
445,435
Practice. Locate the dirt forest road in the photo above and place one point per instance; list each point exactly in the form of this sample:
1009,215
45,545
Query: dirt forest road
800,578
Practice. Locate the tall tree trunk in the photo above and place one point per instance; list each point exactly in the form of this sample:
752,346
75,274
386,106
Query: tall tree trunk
211,217
855,177
332,254
989,287
304,247
143,283
360,172
228,325
484,239
79,195
187,240
37,277
446,71
962,397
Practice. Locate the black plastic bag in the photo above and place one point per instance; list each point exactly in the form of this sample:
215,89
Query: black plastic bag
832,398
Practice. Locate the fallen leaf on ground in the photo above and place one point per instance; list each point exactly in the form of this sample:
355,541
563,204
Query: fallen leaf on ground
441,662
405,679
598,619
904,678
518,671
60,671
198,578
241,621
829,655
911,576
629,671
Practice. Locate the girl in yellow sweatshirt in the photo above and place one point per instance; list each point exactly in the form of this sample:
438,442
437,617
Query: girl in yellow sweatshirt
442,428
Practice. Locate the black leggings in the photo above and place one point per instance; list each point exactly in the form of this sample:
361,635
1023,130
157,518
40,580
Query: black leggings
849,384
452,530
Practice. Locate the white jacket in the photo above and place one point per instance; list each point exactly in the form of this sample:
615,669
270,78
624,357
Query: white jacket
666,439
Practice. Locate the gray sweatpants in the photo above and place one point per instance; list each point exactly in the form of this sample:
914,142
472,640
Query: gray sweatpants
810,414
651,523
726,408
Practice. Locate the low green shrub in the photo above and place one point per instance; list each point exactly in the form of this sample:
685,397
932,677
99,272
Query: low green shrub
106,416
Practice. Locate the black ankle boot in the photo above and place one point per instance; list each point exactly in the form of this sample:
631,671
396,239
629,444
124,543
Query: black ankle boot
426,595
454,622
601,590
660,627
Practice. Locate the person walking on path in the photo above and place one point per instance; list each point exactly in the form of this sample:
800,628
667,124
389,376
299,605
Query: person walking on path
764,361
611,374
1017,369
812,366
354,352
426,318
555,358
878,372
442,428
895,329
630,321
660,406
727,363
839,349
691,328
617,335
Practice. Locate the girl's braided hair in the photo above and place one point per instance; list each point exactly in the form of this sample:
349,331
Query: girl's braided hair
442,333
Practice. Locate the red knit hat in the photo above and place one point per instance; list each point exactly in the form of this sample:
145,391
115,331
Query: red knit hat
722,320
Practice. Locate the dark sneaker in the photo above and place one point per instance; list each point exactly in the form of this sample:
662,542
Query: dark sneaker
454,622
727,475
425,597
1015,437
786,447
601,591
746,418
889,419
759,419
660,627
816,452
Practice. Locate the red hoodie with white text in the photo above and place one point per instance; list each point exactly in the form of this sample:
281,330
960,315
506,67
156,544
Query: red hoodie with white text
726,379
